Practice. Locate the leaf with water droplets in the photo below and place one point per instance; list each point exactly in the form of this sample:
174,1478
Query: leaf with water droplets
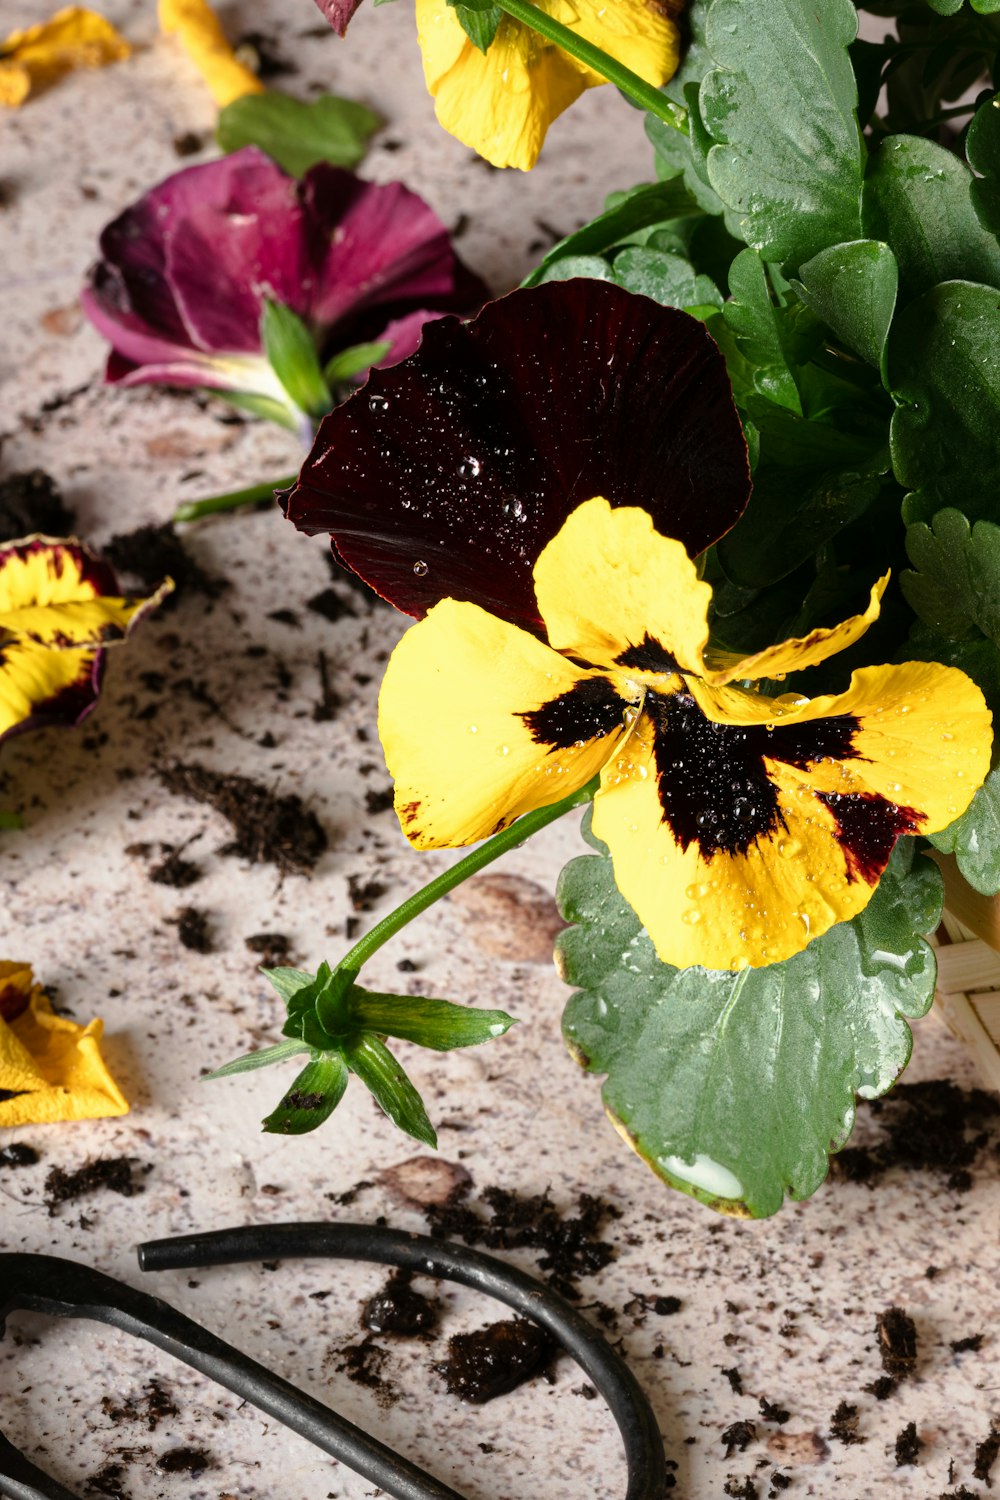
954,586
736,1087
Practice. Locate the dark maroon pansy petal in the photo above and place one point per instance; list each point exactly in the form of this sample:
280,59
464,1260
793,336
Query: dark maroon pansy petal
447,474
338,12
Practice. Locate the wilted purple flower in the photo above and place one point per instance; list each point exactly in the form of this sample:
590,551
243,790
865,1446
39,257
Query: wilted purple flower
186,271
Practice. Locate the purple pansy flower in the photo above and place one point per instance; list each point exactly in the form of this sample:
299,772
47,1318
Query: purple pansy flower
185,273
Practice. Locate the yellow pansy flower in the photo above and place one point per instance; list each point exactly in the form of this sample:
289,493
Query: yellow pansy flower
50,1068
37,56
740,825
502,102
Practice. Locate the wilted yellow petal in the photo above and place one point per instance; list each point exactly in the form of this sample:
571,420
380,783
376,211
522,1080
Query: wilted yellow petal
39,55
52,1067
57,593
197,28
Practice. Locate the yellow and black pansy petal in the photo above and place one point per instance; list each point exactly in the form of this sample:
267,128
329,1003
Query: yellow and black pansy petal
60,594
41,687
480,723
809,650
446,475
614,592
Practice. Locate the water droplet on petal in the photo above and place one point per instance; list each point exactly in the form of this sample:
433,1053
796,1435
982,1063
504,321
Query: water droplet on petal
691,917
468,468
420,568
473,728
378,403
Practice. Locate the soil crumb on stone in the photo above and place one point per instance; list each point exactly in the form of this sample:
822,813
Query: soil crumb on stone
493,1360
151,1407
844,1424
109,1481
172,869
969,1345
18,1154
185,1461
273,948
31,502
908,1445
738,1436
932,1126
268,828
151,553
192,929
741,1489
986,1454
113,1173
398,1309
897,1338
363,1363
772,1412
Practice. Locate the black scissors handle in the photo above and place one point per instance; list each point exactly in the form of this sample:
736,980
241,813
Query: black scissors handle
62,1288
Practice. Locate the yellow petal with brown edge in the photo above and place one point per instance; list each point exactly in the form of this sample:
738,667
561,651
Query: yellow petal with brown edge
480,723
39,686
53,593
38,56
791,656
200,33
501,103
614,591
53,1067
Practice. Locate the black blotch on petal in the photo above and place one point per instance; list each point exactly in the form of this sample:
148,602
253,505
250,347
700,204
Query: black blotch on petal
867,828
648,656
712,781
588,710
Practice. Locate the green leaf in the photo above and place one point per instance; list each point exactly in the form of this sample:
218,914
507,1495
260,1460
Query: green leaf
291,353
974,838
917,199
343,367
250,1061
982,148
311,1099
260,406
439,1024
666,278
955,585
288,982
651,203
736,1087
853,288
788,157
760,332
480,20
593,266
384,1077
944,373
298,135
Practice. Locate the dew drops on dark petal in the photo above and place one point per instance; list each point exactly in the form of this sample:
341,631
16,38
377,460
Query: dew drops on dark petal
378,403
420,568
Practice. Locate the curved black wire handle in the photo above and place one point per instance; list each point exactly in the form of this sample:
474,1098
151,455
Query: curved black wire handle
61,1288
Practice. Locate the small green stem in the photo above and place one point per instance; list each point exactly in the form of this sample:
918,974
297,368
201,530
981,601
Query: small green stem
484,855
644,94
193,510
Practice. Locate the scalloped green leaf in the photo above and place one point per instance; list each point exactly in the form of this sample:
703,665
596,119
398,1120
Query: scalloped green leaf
665,277
974,838
917,199
943,367
853,288
650,203
737,1087
787,155
954,585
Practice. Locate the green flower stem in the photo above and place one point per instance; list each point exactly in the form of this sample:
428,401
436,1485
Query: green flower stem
644,94
193,510
479,858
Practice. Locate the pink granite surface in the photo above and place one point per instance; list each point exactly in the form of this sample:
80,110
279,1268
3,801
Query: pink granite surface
789,1303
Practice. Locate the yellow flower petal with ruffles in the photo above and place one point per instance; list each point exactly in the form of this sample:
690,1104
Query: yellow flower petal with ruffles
200,33
740,825
52,1067
38,56
502,102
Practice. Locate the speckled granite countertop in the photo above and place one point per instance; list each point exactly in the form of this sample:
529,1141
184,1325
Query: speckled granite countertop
786,1307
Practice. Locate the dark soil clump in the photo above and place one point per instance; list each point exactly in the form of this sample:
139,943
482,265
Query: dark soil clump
741,1489
185,1461
970,1345
108,1481
738,1437
493,1360
908,1445
844,1424
152,553
192,929
897,1339
772,1412
363,1364
273,948
986,1455
933,1126
113,1173
398,1309
268,828
31,502
152,1407
18,1155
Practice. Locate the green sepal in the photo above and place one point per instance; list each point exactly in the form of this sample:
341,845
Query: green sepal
479,19
311,1099
287,981
438,1024
349,363
386,1079
298,135
250,1061
749,1076
291,352
260,406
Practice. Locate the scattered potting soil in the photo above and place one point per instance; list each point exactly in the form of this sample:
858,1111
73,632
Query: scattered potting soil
188,144
379,802
31,502
986,1455
109,1481
192,929
908,1445
972,1344
735,1380
738,1436
897,1339
17,1154
172,870
882,1388
274,948
772,1412
568,1247
933,1126
113,1173
185,1461
268,828
493,1360
363,1363
844,1424
364,892
151,553
331,605
397,1308
641,1303
151,1407
741,1489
